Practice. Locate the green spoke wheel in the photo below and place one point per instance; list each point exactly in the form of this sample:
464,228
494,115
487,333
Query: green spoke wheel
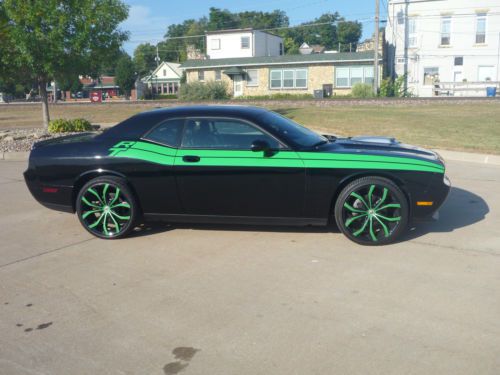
106,207
371,211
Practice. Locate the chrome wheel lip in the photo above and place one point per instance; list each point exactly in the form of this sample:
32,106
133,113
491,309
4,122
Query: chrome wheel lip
371,213
104,208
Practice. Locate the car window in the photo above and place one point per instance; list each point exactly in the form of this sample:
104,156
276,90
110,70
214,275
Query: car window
168,133
227,134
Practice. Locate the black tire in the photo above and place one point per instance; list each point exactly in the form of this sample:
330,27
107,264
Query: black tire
102,209
372,211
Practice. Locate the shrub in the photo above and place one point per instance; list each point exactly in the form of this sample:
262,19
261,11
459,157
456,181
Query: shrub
278,96
64,126
362,90
166,96
212,90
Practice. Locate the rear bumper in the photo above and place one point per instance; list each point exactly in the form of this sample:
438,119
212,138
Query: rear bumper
55,197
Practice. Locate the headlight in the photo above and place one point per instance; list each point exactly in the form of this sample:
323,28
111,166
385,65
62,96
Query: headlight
446,180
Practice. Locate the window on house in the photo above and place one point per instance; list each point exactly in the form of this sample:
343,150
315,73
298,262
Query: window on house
481,28
164,72
218,75
245,42
459,61
431,74
347,76
301,78
288,78
201,75
252,77
281,49
356,75
412,32
445,31
368,75
276,79
215,44
342,77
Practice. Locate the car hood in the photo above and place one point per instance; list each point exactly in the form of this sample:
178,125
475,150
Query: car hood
382,146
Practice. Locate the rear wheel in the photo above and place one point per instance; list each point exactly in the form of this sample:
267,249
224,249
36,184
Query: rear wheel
372,211
106,207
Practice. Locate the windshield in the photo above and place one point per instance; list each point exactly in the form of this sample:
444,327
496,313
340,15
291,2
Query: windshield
289,131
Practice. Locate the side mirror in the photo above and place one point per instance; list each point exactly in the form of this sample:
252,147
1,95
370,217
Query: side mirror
260,145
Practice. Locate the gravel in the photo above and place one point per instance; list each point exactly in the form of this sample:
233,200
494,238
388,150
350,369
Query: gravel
16,140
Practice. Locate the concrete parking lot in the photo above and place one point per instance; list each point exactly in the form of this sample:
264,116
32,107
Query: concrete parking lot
248,300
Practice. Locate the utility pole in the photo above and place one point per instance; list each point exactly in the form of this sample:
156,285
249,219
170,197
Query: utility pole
157,58
375,61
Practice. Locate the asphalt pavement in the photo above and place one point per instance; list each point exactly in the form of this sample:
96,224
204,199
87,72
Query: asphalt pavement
251,300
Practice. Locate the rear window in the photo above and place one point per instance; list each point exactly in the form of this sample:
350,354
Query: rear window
168,133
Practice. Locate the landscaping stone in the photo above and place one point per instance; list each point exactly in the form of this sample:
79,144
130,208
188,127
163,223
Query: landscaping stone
21,140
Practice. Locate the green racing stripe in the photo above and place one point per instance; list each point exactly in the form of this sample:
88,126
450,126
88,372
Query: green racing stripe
287,159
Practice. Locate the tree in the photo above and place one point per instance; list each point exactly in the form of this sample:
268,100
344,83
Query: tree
125,75
349,33
54,39
144,59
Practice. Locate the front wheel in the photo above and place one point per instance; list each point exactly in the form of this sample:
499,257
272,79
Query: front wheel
106,207
372,211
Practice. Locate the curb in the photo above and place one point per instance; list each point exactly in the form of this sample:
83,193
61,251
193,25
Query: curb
447,155
15,156
469,157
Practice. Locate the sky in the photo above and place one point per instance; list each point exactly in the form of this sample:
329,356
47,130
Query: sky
148,19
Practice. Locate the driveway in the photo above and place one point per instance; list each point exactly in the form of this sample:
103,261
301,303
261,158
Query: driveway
249,300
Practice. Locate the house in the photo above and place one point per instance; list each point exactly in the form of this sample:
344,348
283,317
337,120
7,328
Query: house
444,47
224,44
165,79
332,73
105,84
306,49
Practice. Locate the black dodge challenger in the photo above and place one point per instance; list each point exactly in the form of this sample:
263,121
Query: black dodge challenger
235,164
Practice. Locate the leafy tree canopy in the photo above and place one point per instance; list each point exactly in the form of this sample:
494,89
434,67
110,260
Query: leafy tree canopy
53,39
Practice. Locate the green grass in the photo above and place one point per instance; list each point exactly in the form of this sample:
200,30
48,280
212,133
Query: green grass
470,127
473,127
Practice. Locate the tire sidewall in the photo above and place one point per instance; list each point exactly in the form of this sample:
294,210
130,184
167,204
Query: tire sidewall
379,181
124,189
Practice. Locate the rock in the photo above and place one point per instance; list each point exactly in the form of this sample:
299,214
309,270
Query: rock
3,134
19,137
9,138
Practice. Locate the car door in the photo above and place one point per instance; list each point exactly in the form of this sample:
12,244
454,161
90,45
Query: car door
218,173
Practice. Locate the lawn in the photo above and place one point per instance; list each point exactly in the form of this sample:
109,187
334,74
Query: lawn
473,126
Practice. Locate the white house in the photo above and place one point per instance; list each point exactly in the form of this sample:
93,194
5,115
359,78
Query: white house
242,43
445,47
165,79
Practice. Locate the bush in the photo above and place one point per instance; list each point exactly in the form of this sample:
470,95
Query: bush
212,90
362,90
389,87
65,126
278,96
166,96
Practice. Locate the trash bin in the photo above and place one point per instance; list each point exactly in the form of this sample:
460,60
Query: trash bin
491,91
318,94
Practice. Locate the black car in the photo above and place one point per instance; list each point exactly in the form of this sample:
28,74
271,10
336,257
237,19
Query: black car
235,164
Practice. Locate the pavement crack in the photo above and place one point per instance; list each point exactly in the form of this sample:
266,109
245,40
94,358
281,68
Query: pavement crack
45,253
458,249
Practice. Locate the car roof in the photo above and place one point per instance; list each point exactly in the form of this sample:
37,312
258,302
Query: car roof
207,110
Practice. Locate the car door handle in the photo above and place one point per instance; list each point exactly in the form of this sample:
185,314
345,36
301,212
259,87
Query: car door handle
191,158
